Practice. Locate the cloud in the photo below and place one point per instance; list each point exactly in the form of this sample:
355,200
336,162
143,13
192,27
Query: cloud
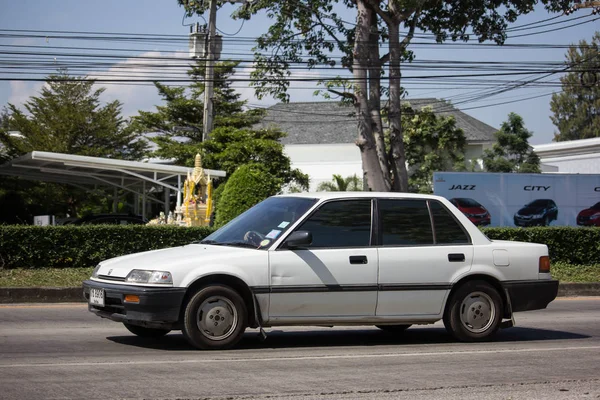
21,91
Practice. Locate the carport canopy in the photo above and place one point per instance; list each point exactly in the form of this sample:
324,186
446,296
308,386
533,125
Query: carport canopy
141,178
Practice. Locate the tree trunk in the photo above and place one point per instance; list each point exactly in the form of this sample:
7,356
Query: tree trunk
375,99
398,157
366,141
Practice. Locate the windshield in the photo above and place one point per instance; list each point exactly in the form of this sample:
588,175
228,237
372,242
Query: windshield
465,202
262,224
538,203
596,206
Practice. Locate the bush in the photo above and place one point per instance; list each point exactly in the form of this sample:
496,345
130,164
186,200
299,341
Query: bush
565,244
85,246
247,186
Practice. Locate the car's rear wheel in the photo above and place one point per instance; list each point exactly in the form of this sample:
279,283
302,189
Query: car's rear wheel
215,318
142,331
394,328
474,312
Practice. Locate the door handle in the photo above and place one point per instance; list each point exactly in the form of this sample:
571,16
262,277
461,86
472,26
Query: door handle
358,259
456,257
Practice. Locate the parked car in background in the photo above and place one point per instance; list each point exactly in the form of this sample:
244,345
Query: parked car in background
538,212
332,258
589,216
111,219
476,213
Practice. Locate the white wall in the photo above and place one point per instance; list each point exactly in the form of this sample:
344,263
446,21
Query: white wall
321,161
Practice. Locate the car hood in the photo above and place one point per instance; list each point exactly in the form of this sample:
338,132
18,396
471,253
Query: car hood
531,211
173,258
588,212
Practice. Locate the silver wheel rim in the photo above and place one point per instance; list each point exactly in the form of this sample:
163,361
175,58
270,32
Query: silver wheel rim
217,318
477,312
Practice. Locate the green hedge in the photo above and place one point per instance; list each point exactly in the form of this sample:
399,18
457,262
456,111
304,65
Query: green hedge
84,246
565,244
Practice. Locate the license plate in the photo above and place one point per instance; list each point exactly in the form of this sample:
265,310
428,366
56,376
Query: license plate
97,297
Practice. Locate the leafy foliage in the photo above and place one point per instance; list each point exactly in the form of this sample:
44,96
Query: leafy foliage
339,184
180,120
432,143
247,186
577,107
85,246
66,117
565,244
313,32
511,152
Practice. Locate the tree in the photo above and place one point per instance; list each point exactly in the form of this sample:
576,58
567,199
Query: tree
313,32
67,118
232,143
432,143
182,115
577,107
339,184
511,152
247,186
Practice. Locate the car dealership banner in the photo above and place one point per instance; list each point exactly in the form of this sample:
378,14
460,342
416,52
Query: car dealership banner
524,199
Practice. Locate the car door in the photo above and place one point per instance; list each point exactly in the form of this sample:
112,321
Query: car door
422,247
335,276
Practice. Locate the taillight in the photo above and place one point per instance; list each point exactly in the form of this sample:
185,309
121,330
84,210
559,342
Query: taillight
544,265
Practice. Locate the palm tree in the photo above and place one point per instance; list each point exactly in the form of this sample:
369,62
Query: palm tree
339,184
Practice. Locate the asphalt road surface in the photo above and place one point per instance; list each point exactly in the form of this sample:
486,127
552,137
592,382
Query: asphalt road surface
61,351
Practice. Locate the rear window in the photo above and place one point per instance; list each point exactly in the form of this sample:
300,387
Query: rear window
447,229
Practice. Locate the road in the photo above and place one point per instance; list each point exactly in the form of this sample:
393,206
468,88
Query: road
59,351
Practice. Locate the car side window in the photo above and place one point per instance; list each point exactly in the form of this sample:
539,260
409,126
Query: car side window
345,223
405,222
447,229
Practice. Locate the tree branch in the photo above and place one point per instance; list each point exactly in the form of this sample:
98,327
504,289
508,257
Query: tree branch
343,94
384,16
384,59
411,30
328,30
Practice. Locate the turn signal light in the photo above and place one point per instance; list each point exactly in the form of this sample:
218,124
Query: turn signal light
544,265
132,298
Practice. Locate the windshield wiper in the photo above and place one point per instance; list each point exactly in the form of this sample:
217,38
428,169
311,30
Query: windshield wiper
240,244
205,241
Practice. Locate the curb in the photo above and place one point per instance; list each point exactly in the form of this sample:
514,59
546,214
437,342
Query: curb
75,294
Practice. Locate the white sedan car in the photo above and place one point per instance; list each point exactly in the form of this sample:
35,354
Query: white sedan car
387,259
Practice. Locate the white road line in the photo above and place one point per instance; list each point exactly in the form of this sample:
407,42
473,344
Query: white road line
300,358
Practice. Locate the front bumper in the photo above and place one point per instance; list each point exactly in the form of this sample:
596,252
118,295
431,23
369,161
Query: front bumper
158,307
531,295
528,222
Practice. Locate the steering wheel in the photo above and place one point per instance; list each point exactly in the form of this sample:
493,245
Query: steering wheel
253,237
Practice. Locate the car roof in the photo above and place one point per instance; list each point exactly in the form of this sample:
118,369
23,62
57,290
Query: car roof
343,195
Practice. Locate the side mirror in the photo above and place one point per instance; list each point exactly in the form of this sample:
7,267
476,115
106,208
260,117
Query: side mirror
298,240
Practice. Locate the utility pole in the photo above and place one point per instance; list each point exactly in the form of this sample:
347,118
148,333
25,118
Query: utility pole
210,72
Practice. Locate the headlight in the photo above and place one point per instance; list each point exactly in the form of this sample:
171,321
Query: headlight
145,276
95,272
594,216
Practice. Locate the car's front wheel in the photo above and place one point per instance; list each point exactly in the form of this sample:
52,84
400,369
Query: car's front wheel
215,318
142,331
474,312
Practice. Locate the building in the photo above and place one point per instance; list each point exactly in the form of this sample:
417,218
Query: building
573,156
321,135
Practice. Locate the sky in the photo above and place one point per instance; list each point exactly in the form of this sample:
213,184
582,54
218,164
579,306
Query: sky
165,17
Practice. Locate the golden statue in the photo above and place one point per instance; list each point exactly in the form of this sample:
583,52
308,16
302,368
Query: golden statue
197,196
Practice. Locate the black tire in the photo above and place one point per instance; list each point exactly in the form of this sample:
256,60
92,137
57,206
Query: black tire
144,332
219,305
394,328
474,312
546,221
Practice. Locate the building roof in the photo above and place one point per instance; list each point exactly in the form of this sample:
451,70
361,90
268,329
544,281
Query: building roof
568,148
329,122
